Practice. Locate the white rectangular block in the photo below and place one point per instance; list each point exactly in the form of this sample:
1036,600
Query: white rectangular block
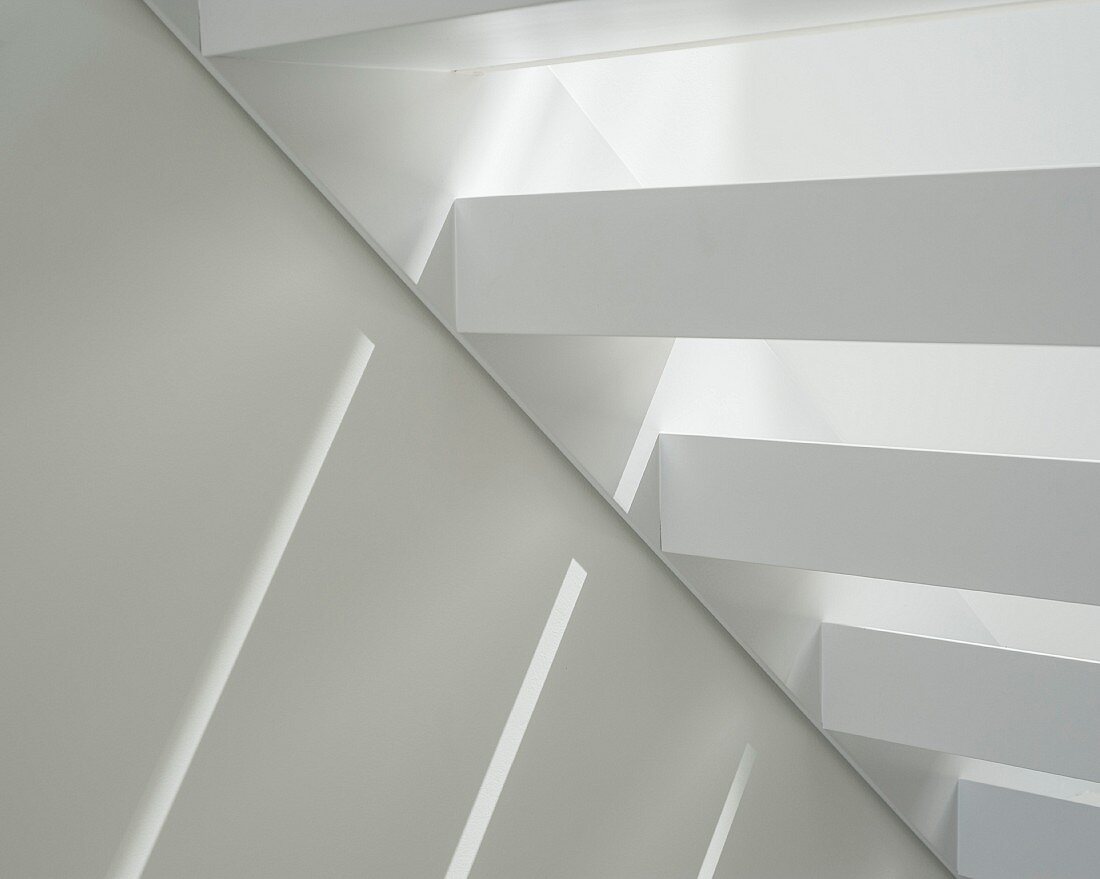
1006,706
1011,834
993,257
993,523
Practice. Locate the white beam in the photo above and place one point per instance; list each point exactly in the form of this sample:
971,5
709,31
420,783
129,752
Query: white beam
487,34
994,523
1006,706
1013,834
991,257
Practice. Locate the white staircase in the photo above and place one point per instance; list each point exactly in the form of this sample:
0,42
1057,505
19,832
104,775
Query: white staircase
930,607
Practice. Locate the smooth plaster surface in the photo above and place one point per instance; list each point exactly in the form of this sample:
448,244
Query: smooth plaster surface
176,304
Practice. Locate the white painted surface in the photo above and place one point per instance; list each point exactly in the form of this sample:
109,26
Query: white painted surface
1008,87
178,307
410,143
994,523
728,814
164,784
232,25
1011,834
1004,399
519,718
159,393
994,257
720,387
1003,89
1006,706
483,34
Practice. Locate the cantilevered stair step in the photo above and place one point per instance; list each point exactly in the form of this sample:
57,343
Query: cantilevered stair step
1013,834
1006,706
479,34
989,257
993,523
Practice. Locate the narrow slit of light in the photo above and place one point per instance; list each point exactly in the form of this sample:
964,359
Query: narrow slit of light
631,480
469,843
634,469
141,836
728,813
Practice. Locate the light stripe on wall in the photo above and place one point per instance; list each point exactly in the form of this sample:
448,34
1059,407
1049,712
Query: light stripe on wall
728,813
511,737
152,811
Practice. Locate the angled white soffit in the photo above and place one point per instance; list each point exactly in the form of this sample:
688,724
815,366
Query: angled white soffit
1008,88
474,35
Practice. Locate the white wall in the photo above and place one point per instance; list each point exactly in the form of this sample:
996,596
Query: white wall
178,308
